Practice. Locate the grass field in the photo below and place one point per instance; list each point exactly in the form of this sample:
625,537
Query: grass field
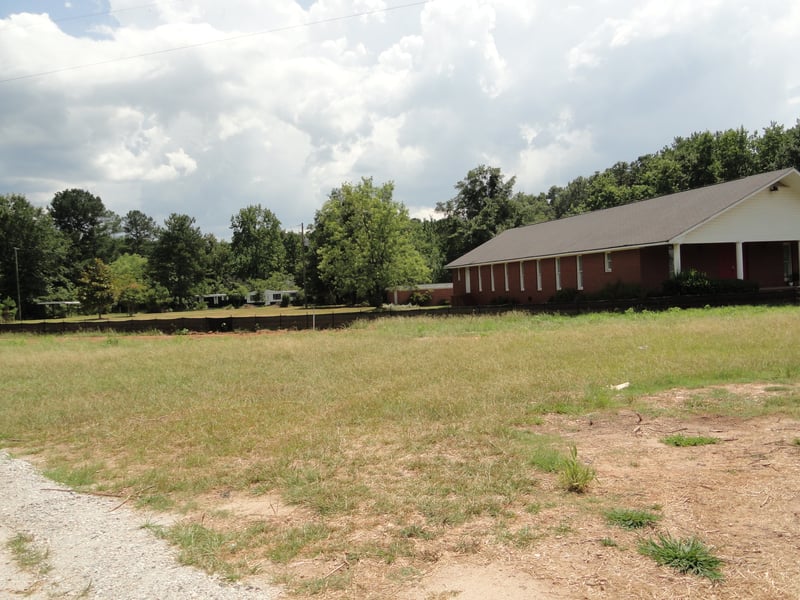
382,438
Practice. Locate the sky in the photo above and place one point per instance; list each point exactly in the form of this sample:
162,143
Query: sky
203,107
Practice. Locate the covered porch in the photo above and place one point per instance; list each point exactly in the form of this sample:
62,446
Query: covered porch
770,264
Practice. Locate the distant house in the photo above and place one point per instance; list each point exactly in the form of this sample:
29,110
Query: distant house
262,297
213,299
745,229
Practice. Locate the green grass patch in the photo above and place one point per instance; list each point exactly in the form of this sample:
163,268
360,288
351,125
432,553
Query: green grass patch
28,555
683,441
79,477
204,548
631,518
685,555
287,544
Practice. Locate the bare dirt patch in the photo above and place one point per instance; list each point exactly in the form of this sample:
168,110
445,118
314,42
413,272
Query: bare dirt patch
740,496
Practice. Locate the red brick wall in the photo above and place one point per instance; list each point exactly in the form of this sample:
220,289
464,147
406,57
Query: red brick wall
653,267
763,262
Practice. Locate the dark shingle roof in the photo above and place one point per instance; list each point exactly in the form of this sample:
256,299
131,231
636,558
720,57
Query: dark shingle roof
645,223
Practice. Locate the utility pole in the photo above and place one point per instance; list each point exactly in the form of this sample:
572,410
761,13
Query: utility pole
303,255
19,294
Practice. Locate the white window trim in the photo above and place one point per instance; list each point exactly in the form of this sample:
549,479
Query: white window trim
558,273
538,275
579,270
468,288
608,263
522,276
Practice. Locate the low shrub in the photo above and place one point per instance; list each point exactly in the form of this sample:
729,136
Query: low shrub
696,283
420,297
567,296
687,555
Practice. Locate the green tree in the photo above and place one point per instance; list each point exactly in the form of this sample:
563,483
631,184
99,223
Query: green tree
178,260
481,209
96,288
364,243
219,263
140,233
295,243
257,243
90,228
130,281
41,252
734,155
427,236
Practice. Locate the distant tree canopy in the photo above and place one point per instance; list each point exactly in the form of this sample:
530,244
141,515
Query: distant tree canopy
361,242
703,158
484,206
40,259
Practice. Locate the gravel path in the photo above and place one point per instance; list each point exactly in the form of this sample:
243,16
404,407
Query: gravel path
94,548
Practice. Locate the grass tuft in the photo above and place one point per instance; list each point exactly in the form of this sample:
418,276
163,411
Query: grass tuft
576,476
631,518
685,555
683,441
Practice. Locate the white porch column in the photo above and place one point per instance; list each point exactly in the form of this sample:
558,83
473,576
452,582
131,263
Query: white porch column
676,259
739,261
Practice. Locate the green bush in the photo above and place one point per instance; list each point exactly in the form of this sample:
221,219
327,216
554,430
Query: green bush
420,297
8,308
286,299
696,283
686,283
566,296
299,298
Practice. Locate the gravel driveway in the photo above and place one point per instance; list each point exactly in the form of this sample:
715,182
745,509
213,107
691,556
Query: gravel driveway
94,547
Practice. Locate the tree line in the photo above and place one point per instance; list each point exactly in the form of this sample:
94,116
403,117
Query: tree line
361,240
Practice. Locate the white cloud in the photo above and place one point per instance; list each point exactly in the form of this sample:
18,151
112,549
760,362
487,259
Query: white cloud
538,162
417,95
141,152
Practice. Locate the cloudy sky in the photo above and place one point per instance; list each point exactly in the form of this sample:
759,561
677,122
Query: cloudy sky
203,107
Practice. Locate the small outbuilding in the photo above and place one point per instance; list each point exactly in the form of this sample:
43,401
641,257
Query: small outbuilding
747,229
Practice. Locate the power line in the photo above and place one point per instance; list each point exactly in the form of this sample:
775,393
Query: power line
104,13
218,41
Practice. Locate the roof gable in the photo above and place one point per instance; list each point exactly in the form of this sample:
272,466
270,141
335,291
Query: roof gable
649,222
